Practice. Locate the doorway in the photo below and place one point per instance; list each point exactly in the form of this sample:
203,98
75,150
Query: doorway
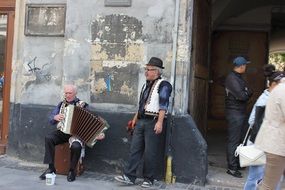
226,45
7,14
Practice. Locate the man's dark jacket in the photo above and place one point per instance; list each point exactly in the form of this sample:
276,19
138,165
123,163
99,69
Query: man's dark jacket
237,92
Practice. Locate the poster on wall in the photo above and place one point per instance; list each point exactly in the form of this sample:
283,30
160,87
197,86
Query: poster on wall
45,19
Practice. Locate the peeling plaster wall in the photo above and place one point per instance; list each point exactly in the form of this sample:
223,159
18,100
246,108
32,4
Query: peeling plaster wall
102,52
117,47
115,43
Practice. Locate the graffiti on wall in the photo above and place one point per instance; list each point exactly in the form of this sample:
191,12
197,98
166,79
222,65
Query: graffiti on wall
117,50
42,73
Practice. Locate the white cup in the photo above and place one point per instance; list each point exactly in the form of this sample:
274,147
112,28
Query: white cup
50,179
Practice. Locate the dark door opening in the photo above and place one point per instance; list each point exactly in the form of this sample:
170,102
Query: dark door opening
225,46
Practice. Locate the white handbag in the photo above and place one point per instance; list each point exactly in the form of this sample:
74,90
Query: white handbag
250,155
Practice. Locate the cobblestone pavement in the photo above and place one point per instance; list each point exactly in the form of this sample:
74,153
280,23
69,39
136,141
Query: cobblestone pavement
18,174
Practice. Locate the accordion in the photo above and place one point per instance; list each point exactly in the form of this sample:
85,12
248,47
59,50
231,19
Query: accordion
84,125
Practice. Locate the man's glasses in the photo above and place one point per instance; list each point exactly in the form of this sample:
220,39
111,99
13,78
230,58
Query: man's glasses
147,69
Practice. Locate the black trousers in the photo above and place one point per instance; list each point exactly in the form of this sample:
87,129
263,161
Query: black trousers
145,144
58,137
237,126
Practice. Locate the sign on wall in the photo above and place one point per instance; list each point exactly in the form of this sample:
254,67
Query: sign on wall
45,19
118,3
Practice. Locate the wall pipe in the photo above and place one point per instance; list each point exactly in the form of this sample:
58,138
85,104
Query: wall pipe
174,54
169,177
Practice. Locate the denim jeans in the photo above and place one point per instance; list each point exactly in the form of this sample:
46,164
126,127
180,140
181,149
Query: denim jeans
145,144
255,174
236,120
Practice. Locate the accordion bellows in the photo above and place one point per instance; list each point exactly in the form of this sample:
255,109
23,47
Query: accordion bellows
83,124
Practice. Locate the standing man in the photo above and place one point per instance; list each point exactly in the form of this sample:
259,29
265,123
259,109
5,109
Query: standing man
236,98
59,137
149,120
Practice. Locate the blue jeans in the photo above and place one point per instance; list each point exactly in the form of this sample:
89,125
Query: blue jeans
255,175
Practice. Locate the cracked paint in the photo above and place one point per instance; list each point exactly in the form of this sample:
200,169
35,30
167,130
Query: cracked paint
125,89
97,53
100,86
135,52
114,33
117,48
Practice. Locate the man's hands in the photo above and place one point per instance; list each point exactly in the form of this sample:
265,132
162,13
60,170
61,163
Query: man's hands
158,127
248,92
159,124
58,117
101,136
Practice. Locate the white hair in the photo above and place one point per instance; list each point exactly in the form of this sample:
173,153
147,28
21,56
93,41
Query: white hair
74,88
160,70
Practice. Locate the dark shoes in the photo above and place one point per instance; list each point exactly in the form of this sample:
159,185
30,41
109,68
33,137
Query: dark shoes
234,173
71,176
241,168
48,171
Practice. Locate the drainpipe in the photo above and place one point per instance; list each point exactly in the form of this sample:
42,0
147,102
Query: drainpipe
174,54
169,177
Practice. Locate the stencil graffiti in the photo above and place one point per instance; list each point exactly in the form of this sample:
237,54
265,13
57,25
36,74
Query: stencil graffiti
32,65
42,74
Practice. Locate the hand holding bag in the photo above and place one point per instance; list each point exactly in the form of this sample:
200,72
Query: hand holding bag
249,155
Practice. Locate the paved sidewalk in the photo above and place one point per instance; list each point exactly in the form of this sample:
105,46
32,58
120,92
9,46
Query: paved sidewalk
19,175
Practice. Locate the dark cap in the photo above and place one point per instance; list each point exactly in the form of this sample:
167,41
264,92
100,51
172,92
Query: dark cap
238,61
154,61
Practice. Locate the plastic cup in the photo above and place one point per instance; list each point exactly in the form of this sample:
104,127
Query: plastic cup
50,179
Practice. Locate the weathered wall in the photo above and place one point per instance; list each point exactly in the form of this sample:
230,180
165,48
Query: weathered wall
30,125
103,52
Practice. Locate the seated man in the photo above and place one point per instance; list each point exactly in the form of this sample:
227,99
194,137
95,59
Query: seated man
58,137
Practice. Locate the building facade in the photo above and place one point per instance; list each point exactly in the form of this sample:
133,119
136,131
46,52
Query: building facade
102,47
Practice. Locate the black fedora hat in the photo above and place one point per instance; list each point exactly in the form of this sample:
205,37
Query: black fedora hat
154,61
